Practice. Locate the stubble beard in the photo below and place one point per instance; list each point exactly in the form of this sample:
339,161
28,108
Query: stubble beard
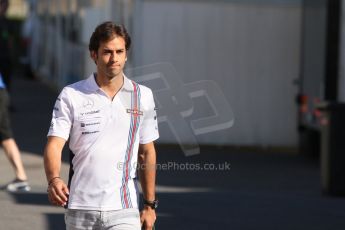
109,74
112,75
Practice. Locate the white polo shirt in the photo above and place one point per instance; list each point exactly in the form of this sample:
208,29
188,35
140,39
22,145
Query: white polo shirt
104,137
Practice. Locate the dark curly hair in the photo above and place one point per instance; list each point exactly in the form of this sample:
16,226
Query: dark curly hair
107,31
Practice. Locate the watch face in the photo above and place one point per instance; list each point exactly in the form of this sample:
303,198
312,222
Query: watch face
155,204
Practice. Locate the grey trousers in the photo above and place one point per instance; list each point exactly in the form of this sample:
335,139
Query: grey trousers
125,219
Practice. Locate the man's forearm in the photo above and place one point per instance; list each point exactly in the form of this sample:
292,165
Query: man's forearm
52,158
52,164
147,171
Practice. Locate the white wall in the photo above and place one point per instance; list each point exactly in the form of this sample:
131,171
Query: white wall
251,51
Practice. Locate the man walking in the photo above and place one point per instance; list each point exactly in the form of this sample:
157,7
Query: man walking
111,124
6,44
19,184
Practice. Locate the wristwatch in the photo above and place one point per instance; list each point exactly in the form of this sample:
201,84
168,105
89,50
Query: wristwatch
153,204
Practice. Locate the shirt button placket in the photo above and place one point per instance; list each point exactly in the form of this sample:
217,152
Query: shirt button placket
111,110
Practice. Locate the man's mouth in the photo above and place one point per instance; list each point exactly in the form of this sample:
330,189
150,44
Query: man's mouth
114,65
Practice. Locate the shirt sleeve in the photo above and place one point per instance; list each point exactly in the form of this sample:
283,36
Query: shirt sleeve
149,127
61,122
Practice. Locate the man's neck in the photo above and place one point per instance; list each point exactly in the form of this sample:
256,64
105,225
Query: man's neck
110,86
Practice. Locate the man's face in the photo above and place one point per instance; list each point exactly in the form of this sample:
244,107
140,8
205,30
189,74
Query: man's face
111,58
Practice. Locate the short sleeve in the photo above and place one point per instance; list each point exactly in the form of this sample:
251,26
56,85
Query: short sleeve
149,127
61,122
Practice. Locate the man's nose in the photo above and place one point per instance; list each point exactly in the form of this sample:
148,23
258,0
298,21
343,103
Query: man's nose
114,57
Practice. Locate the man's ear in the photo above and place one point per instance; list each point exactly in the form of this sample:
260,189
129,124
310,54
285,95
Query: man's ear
93,55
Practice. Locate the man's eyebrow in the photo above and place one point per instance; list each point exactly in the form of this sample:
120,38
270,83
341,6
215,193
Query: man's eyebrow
110,50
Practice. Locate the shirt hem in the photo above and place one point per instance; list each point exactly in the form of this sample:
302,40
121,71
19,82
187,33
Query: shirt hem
53,134
90,208
149,140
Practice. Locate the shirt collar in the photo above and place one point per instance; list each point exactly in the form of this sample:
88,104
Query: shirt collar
91,83
127,84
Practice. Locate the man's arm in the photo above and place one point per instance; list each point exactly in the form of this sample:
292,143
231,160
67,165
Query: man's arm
57,189
147,176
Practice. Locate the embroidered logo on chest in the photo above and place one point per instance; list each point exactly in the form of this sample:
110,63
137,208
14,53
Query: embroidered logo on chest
88,103
135,112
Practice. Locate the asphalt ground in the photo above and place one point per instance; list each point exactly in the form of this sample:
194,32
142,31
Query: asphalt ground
221,188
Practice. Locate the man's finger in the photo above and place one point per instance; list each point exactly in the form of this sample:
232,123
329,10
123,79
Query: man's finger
65,189
61,195
141,219
56,198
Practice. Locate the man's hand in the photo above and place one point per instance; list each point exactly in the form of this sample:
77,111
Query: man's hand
58,192
57,189
147,218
